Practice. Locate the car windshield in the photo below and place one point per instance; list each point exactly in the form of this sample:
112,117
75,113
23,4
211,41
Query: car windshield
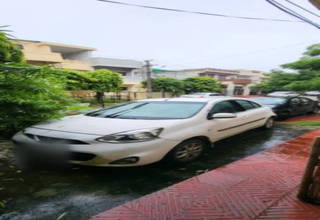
269,101
151,110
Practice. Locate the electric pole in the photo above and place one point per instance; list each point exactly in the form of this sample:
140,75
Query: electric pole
149,86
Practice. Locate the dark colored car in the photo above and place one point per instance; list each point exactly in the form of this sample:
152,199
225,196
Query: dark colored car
286,107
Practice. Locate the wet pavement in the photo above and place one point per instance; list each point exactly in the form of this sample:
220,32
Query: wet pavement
80,192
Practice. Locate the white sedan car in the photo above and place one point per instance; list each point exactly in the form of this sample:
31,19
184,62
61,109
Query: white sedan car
146,131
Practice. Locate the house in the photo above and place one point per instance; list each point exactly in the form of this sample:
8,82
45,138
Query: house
131,70
235,82
56,54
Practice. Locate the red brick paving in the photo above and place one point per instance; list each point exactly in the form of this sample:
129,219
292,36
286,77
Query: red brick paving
261,186
314,117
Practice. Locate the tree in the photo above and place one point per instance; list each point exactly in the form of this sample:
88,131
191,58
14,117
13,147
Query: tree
277,80
29,95
202,84
76,80
104,81
165,84
305,78
310,61
9,52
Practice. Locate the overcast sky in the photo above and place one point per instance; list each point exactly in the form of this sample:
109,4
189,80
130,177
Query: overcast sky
175,40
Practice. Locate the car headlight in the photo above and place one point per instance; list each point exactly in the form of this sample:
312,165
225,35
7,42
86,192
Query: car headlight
132,136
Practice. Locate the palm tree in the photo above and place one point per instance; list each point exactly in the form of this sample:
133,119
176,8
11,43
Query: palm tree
9,52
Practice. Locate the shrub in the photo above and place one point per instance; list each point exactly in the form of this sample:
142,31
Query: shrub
29,95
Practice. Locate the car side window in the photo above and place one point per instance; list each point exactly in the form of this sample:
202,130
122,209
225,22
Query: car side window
223,107
246,104
256,105
305,101
295,101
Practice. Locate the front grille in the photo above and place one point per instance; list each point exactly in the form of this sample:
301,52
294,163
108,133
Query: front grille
51,140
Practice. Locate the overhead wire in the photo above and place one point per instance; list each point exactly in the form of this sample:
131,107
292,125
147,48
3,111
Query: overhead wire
302,8
292,13
195,12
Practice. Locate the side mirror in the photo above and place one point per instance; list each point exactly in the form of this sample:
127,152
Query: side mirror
222,115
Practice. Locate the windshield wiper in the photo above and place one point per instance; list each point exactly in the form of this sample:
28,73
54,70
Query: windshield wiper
116,114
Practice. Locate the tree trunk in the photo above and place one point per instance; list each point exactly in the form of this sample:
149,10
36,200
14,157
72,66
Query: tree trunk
100,96
310,185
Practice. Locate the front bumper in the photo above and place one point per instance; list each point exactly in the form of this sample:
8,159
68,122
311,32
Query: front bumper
96,153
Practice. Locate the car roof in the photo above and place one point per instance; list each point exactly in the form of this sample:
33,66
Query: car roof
312,93
203,93
270,97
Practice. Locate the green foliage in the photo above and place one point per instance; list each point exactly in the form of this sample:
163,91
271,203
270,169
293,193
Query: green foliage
312,63
102,81
202,84
76,80
276,81
189,85
105,81
306,78
306,123
9,52
313,50
29,95
311,60
164,84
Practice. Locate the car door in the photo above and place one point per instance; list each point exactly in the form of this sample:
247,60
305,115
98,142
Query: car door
253,112
296,107
220,128
307,105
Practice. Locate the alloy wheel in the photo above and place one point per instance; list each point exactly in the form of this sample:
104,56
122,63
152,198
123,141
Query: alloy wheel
269,123
188,151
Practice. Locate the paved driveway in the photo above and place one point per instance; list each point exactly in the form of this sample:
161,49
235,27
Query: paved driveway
80,192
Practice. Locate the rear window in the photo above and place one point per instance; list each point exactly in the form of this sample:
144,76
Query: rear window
269,100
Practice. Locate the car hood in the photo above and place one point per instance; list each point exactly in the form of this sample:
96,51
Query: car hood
100,126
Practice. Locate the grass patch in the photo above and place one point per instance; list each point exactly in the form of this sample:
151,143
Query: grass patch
79,107
306,123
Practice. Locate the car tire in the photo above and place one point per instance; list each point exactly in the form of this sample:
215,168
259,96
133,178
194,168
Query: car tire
187,151
269,123
316,110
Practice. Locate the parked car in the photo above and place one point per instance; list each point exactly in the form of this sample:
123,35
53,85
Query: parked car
314,95
145,131
202,95
282,94
289,106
